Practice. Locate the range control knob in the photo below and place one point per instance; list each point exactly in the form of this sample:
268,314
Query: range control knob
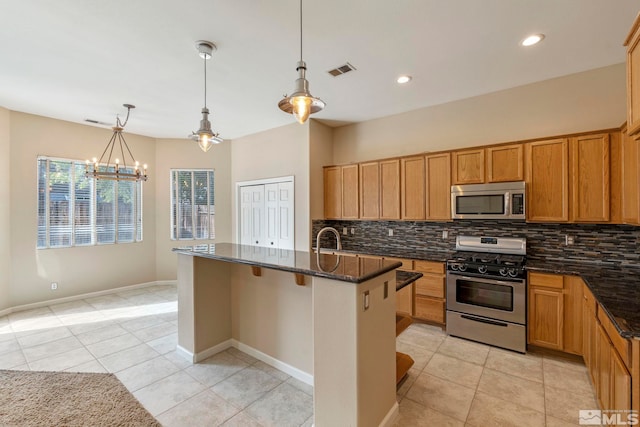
462,267
512,272
503,271
482,269
454,266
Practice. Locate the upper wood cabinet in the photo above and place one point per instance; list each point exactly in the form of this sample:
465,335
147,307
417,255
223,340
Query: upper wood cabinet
333,192
505,163
467,166
350,193
370,190
390,189
590,178
633,78
438,186
412,184
629,179
547,177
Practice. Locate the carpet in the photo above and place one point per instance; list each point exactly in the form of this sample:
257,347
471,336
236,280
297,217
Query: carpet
68,399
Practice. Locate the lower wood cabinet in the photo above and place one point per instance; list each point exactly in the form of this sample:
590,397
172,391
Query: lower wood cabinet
404,301
429,290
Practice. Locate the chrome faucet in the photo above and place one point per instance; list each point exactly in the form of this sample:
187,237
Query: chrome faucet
334,231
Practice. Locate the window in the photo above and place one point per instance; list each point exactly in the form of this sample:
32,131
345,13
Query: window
192,204
78,211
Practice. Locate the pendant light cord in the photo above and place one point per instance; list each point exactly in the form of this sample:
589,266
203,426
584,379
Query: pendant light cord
205,82
300,30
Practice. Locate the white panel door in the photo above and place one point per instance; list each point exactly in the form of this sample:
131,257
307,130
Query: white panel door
286,221
267,215
252,216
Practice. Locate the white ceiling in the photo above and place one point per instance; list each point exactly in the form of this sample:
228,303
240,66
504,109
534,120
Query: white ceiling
78,59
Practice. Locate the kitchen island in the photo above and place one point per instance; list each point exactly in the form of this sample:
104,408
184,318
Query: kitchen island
323,318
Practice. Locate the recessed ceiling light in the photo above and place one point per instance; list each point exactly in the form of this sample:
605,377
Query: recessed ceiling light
532,39
403,79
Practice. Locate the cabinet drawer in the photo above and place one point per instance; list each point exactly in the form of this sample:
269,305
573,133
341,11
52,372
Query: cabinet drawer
407,264
429,309
546,280
622,345
430,285
429,267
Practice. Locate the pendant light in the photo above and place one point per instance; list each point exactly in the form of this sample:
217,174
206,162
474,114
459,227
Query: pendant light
205,137
116,171
301,103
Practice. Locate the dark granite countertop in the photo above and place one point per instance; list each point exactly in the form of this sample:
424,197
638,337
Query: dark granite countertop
405,278
343,268
615,286
423,255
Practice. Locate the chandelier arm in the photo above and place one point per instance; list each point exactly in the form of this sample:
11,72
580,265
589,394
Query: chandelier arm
124,158
112,142
109,144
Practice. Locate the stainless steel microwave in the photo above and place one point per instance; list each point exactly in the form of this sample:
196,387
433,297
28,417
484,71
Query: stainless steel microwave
500,200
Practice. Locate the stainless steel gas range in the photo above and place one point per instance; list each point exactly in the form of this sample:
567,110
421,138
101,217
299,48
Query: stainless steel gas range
487,291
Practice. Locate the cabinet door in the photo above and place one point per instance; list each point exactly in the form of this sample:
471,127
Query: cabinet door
370,190
505,163
547,176
468,166
633,78
573,303
603,361
332,192
589,334
350,193
629,179
404,300
438,197
412,188
620,398
545,318
390,189
590,178
429,309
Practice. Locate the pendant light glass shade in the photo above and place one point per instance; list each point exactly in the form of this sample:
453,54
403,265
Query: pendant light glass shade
205,136
301,103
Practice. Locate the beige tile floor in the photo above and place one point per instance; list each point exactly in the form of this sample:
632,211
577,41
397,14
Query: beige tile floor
133,334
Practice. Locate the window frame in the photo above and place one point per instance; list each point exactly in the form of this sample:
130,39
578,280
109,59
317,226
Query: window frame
173,190
74,165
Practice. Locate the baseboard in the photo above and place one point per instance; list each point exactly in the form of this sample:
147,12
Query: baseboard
83,296
198,357
284,367
391,416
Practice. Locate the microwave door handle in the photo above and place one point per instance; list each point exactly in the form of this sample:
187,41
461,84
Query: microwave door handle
507,204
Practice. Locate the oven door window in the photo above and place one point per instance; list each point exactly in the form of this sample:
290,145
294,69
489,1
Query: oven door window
485,204
489,295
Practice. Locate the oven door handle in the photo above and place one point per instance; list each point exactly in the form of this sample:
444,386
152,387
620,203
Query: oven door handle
491,281
481,320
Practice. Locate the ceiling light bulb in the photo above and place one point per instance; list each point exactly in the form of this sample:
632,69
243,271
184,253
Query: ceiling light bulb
403,79
204,142
532,39
301,108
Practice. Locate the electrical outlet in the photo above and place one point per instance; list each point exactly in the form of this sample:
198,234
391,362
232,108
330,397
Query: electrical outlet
568,240
390,232
445,234
54,286
353,231
344,230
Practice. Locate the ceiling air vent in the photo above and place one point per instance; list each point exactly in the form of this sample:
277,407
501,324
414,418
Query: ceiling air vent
96,122
343,69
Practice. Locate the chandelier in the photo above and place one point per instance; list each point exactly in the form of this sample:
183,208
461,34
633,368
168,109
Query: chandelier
128,170
205,136
301,103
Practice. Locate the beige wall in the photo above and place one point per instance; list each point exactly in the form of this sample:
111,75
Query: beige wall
185,154
282,151
320,154
78,270
580,102
5,205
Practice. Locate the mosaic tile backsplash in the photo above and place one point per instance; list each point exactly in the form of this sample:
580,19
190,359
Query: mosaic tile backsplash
595,243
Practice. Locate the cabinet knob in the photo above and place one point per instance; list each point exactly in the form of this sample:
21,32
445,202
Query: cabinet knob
272,243
256,242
